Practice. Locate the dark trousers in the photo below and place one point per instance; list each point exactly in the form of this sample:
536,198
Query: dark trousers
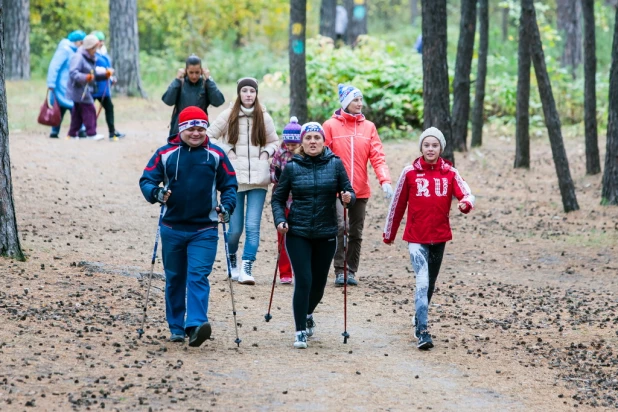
310,260
108,106
356,223
83,113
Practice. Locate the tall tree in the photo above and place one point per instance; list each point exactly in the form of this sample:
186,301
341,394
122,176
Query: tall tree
328,11
505,21
479,95
357,17
593,159
298,71
9,238
609,194
522,115
461,82
413,11
552,120
435,71
124,45
17,39
569,18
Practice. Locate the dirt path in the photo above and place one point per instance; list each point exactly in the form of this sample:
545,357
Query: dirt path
524,318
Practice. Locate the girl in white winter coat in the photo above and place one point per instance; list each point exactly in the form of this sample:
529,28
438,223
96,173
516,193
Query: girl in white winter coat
247,134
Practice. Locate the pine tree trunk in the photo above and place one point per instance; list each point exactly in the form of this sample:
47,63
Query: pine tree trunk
609,193
593,160
357,18
569,20
298,72
552,120
505,22
461,82
9,238
522,116
479,95
328,11
124,45
435,71
413,11
17,39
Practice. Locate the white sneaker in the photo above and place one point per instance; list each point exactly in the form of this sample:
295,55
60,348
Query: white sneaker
96,137
301,341
310,326
246,275
234,267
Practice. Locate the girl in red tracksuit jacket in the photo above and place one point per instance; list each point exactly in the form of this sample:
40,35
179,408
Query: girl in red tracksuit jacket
426,189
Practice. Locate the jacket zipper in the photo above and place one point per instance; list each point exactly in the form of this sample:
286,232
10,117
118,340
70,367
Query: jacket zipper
248,149
352,156
315,195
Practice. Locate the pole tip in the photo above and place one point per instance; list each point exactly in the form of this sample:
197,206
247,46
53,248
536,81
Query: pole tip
268,317
237,342
140,332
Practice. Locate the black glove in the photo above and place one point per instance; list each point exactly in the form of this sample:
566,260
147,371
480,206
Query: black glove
159,193
277,173
224,214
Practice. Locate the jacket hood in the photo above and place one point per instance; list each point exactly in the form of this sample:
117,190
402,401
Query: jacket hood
67,43
443,165
344,116
177,141
326,155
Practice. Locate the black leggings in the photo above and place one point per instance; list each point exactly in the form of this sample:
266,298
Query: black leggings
107,104
311,260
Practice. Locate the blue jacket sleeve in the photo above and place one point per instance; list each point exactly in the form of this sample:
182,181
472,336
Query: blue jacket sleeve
152,177
227,184
56,64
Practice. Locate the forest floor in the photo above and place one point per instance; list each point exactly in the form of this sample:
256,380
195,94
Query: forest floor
525,316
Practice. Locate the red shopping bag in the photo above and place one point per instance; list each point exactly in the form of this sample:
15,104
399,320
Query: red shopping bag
49,115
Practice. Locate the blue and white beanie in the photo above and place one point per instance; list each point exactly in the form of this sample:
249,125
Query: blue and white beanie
347,94
291,132
311,127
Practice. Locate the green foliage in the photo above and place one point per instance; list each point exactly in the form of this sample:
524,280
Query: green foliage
391,81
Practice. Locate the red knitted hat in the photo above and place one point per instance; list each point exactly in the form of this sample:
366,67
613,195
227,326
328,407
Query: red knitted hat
192,116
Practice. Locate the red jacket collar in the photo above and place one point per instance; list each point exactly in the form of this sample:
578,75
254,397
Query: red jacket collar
442,165
341,114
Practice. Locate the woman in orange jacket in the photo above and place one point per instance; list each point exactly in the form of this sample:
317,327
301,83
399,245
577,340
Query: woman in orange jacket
355,140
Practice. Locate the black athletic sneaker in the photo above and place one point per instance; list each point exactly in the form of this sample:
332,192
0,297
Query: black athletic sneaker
199,334
310,326
82,134
116,135
424,340
301,341
53,135
177,337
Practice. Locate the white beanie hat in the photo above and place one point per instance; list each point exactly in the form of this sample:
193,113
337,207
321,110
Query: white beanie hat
435,132
90,41
347,94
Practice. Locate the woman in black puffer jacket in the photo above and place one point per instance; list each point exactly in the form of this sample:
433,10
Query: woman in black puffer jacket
314,177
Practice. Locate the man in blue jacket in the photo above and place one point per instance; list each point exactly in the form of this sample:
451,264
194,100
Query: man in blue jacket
103,91
192,170
58,75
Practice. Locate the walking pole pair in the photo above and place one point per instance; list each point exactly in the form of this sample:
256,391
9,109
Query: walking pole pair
268,316
229,279
345,333
140,331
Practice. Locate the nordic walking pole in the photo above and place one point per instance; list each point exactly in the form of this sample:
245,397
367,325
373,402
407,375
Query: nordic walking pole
140,331
345,333
268,316
103,97
229,279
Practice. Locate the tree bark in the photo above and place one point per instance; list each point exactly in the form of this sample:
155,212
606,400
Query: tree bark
593,160
17,39
552,120
413,11
522,116
357,18
505,22
124,45
461,82
609,193
298,72
569,15
479,95
9,237
328,11
435,71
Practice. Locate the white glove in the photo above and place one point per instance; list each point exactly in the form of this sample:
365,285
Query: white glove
388,191
100,70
